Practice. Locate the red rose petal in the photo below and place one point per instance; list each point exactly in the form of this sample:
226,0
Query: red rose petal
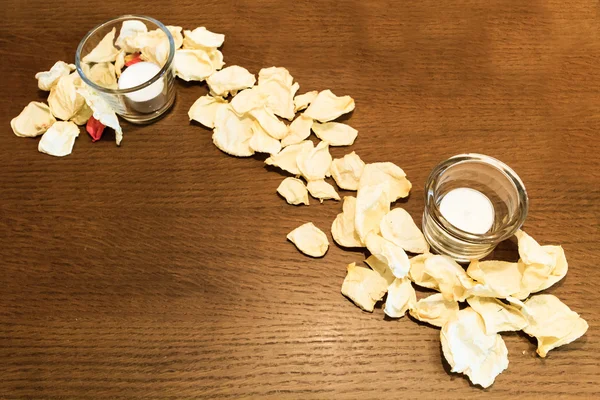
136,58
95,129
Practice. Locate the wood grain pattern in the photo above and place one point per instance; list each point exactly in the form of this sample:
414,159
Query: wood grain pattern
161,270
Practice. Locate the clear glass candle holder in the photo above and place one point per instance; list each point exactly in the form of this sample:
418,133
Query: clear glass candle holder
491,178
144,102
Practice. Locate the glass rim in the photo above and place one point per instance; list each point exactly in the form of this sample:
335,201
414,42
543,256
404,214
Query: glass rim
155,78
508,228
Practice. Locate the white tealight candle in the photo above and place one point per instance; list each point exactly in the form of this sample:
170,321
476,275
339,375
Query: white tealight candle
468,210
148,99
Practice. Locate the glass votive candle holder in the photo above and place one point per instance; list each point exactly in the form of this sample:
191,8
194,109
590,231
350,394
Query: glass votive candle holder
145,90
472,203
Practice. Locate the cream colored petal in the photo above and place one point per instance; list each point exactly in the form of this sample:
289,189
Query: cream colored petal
48,79
82,116
232,133
560,267
495,278
58,141
105,51
364,287
336,133
390,254
401,296
216,57
372,204
261,142
377,173
399,228
102,111
381,268
248,100
552,322
497,316
286,159
158,54
103,74
322,190
293,191
120,63
276,84
342,229
530,251
450,278
417,272
270,123
204,110
315,164
346,171
202,38
434,310
129,30
230,79
177,35
64,101
34,120
310,240
327,106
298,130
275,73
303,100
192,65
469,350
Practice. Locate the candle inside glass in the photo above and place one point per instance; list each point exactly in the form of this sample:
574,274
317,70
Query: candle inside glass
468,210
148,99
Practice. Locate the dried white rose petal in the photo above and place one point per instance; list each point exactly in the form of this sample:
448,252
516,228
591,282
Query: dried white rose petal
381,268
530,251
293,191
364,287
434,310
346,171
470,351
103,74
248,100
449,277
175,32
327,106
34,120
298,130
153,45
401,296
276,84
59,139
105,51
271,124
538,277
497,316
192,65
390,254
495,278
230,79
315,164
303,100
335,133
399,228
64,101
342,229
129,30
261,142
232,133
102,111
286,158
552,322
372,204
201,38
204,110
48,79
82,116
120,63
310,240
417,272
377,173
322,190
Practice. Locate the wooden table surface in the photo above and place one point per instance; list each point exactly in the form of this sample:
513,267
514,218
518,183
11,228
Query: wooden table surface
161,269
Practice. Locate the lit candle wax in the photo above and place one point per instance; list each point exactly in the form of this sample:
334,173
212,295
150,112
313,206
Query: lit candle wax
148,99
468,210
